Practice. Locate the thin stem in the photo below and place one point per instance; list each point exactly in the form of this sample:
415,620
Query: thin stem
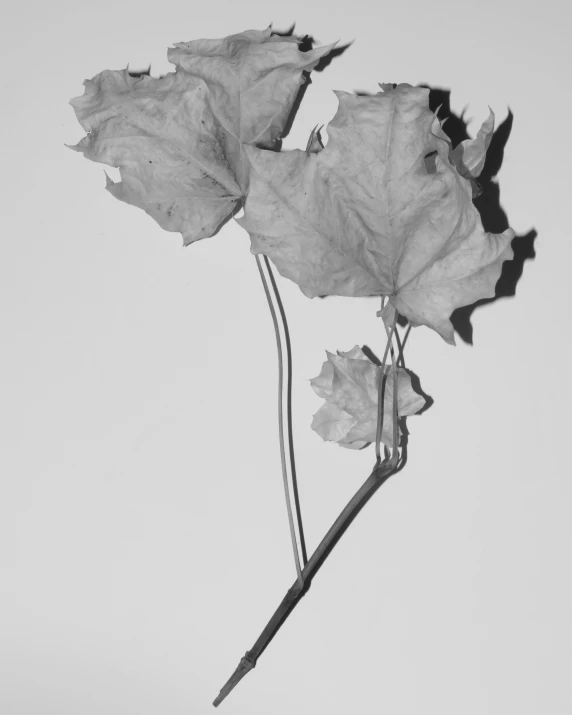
381,472
281,423
400,346
381,389
289,428
394,406
379,475
394,362
402,343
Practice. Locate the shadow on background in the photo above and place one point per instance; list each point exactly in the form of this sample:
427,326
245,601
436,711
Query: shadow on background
487,203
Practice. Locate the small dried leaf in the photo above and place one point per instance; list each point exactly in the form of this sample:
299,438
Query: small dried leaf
349,383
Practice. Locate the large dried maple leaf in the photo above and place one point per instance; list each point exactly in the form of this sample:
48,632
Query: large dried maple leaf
384,209
178,139
349,383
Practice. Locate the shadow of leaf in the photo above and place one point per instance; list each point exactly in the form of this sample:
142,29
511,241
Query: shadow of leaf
487,203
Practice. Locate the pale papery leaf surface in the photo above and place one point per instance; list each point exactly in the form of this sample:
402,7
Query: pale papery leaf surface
253,79
178,139
349,383
381,210
469,156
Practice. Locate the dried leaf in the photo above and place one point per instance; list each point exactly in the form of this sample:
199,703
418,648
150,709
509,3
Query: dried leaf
178,139
349,383
469,156
368,216
253,79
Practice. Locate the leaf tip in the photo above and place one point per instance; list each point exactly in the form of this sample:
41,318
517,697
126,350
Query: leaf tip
108,180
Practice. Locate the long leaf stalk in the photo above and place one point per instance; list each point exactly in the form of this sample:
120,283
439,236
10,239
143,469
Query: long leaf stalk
281,424
381,389
289,427
381,472
391,332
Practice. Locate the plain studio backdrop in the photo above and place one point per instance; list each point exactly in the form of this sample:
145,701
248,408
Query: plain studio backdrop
143,532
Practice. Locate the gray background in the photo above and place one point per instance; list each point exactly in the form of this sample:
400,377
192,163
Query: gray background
143,533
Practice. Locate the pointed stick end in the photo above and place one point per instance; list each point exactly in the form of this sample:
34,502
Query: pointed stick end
246,664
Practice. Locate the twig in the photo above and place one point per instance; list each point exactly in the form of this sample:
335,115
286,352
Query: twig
379,475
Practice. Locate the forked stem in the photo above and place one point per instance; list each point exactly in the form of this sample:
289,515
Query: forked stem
381,472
